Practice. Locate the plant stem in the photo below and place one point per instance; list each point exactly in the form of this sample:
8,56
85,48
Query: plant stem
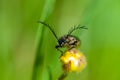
63,76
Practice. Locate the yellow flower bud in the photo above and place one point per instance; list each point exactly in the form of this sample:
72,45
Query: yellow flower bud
73,60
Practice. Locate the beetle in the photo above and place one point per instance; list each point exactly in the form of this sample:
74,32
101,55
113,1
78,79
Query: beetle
69,41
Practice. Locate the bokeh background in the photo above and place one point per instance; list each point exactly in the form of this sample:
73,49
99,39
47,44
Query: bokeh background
27,48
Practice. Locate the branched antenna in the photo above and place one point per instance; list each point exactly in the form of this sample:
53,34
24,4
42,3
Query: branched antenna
49,28
75,28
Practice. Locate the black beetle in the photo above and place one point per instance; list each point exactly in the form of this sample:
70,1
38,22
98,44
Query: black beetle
68,40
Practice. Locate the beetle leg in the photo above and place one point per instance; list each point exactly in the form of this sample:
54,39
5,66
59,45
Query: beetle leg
57,47
71,48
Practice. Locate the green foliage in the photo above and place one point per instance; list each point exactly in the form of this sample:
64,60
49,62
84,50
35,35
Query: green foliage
27,48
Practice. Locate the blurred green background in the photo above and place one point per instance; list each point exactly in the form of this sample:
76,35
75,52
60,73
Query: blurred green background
27,48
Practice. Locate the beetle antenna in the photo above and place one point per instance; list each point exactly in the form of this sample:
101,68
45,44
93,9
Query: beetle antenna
75,28
49,28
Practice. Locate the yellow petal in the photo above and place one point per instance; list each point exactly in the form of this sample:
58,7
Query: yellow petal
73,61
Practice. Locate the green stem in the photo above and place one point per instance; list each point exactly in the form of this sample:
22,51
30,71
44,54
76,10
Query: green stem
63,76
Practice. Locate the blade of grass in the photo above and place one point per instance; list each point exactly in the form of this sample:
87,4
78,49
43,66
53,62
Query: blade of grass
39,64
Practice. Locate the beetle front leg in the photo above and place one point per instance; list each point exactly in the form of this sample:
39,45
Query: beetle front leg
57,47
